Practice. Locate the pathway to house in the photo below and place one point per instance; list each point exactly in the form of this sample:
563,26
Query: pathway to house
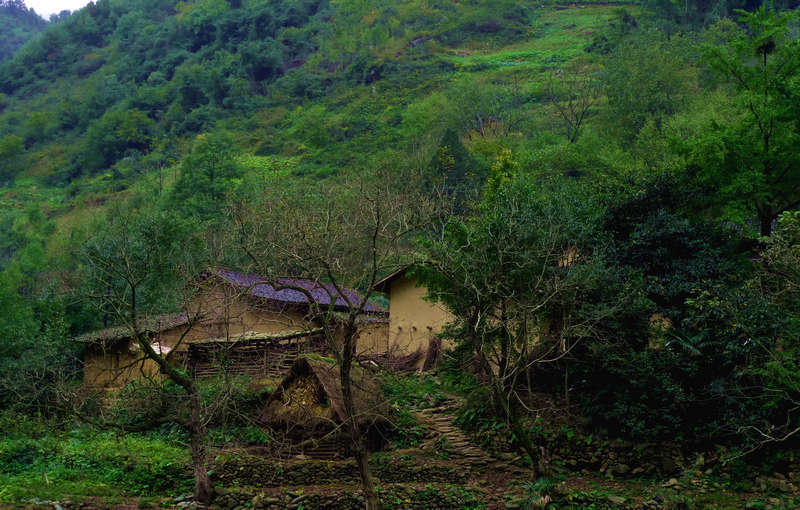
447,436
439,421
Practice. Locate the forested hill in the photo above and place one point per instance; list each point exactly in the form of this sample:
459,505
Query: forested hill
136,79
127,97
18,24
120,88
115,94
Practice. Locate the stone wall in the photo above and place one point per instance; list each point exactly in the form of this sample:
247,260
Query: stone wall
254,471
407,497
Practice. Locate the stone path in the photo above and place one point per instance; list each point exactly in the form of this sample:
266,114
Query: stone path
439,420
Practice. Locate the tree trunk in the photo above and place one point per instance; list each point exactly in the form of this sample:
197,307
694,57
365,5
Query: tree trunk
505,409
365,472
357,442
203,489
508,412
765,218
525,442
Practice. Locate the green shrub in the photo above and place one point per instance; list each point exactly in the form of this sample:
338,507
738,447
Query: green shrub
414,391
707,380
408,432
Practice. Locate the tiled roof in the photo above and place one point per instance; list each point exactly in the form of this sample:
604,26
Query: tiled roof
322,293
148,326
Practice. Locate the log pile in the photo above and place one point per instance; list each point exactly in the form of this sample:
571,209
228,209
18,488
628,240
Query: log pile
392,363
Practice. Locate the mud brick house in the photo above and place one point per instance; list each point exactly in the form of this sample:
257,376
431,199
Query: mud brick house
414,322
234,323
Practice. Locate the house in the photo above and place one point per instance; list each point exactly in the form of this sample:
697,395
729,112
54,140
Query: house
414,322
235,320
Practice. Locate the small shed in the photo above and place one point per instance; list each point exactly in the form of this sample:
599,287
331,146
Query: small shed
308,402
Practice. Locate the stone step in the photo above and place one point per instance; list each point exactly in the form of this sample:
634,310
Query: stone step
439,421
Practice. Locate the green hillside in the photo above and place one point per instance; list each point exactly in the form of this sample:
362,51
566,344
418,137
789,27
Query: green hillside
18,24
112,98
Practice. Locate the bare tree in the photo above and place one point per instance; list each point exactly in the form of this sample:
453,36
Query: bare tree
134,260
573,94
341,236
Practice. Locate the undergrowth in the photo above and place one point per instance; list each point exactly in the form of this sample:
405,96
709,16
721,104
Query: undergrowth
48,464
412,391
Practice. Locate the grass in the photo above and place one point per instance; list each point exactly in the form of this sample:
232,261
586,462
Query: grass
81,463
556,37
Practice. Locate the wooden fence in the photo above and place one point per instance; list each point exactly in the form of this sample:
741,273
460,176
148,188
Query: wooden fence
264,356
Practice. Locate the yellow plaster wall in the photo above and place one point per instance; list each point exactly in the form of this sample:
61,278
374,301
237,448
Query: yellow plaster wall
228,314
413,321
114,367
373,338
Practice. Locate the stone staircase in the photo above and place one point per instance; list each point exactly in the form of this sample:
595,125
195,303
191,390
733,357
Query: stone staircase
439,421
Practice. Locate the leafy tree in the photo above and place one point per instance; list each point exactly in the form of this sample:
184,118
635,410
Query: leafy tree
38,362
675,253
116,134
454,169
780,262
18,24
263,60
750,158
207,173
646,78
692,362
701,12
522,279
11,148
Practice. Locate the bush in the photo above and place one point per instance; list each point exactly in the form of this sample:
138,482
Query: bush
706,381
227,403
38,362
408,432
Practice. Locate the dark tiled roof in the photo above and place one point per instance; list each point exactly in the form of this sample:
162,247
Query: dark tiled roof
320,292
149,326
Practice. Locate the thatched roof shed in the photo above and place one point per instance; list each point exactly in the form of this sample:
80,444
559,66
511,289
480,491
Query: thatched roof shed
309,399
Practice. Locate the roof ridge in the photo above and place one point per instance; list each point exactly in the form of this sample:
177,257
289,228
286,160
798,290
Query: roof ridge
322,292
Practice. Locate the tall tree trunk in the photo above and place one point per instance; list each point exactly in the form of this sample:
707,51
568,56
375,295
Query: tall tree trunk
507,410
203,489
527,444
357,441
